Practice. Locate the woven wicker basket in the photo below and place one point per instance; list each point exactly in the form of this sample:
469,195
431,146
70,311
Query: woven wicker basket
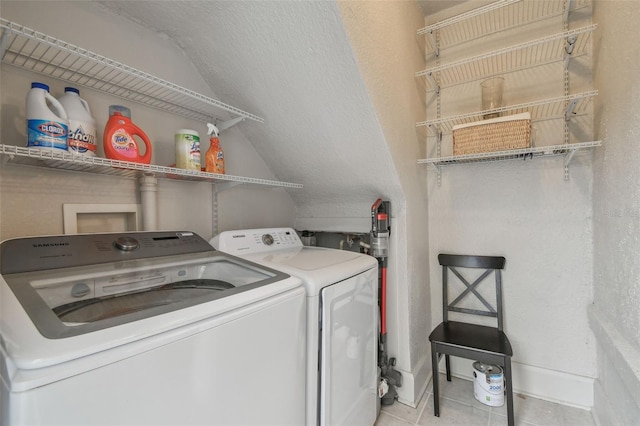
497,134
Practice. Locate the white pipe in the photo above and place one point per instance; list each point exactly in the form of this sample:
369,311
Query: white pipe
149,201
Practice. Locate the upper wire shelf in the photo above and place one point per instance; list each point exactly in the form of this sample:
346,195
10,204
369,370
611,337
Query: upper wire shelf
505,15
545,50
562,107
67,161
34,51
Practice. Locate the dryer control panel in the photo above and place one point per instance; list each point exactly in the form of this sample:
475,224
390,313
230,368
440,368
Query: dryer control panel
259,240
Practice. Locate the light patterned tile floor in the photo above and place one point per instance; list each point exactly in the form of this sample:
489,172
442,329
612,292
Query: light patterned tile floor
459,407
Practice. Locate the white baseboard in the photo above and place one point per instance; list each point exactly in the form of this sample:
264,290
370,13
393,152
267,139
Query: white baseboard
550,385
414,384
406,394
617,390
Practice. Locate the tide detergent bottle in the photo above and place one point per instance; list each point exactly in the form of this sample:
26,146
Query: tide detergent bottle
118,139
47,121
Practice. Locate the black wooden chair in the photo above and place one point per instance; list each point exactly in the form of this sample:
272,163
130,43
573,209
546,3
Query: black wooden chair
482,343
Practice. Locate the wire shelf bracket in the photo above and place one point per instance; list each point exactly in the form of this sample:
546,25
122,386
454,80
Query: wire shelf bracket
227,124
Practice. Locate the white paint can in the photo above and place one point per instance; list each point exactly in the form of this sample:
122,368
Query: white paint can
188,149
488,384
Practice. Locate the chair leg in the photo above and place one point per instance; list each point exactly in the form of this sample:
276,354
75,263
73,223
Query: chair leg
507,376
434,372
448,367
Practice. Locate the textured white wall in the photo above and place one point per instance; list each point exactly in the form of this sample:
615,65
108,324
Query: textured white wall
31,199
615,316
525,211
382,35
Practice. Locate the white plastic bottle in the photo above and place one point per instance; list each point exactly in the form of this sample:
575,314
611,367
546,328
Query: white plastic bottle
47,121
82,126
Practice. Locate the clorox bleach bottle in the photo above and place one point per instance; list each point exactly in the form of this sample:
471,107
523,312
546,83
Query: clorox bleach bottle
47,121
82,126
118,141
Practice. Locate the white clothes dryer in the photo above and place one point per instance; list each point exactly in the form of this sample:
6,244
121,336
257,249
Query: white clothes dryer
342,319
148,329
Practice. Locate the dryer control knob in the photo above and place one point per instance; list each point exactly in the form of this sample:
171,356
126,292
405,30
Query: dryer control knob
126,243
267,239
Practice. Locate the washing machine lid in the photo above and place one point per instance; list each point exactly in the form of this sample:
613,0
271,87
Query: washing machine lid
69,296
281,249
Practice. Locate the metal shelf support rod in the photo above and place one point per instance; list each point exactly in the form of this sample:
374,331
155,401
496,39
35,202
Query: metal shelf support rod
570,108
214,210
438,170
433,42
434,82
566,160
568,49
567,9
3,42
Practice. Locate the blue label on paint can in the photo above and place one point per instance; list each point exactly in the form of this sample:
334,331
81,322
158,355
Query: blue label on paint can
46,134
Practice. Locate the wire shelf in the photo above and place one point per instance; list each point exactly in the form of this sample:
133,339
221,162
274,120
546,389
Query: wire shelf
514,154
505,15
67,161
509,59
31,50
553,108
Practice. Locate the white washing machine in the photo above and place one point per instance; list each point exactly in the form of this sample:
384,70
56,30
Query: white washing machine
147,329
342,319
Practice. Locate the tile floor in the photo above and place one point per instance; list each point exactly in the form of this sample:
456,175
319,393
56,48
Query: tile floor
459,407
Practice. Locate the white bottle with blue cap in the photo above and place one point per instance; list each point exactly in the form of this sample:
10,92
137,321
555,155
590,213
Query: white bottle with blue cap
82,126
47,121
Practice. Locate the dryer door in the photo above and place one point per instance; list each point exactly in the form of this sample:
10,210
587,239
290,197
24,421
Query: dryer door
348,343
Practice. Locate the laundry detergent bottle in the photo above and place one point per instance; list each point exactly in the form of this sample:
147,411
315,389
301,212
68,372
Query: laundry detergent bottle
118,139
214,158
47,121
82,127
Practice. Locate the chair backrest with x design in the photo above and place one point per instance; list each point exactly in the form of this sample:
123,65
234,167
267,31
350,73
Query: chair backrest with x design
491,264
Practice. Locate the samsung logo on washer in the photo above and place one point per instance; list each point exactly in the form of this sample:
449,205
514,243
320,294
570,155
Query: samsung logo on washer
239,236
50,245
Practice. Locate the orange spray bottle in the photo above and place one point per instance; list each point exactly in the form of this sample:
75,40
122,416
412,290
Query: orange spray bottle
214,158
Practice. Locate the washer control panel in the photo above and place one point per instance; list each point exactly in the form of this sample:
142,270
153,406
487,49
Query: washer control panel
248,241
64,251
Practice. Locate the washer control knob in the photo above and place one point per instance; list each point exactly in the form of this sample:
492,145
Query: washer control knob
80,290
267,239
126,243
